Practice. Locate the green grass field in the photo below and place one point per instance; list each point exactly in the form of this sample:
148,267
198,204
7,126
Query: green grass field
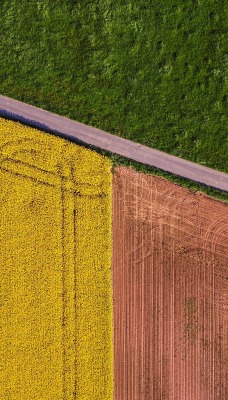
152,71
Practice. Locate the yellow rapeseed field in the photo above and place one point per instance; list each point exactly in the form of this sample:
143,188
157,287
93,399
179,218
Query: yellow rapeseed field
55,271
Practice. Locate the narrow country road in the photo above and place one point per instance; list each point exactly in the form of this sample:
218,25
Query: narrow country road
67,128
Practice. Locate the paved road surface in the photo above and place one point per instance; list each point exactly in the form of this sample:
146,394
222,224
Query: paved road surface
79,132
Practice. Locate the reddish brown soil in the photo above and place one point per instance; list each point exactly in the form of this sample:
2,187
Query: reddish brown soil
170,289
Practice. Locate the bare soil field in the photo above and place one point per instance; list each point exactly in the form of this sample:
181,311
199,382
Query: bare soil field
170,291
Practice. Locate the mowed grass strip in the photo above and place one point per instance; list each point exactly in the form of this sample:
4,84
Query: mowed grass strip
55,258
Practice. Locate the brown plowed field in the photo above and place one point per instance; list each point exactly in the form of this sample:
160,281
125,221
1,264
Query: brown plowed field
170,290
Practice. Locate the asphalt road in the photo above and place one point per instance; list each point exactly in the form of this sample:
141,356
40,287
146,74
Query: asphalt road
84,134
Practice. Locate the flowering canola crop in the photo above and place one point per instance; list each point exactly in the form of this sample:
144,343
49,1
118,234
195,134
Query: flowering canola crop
55,278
